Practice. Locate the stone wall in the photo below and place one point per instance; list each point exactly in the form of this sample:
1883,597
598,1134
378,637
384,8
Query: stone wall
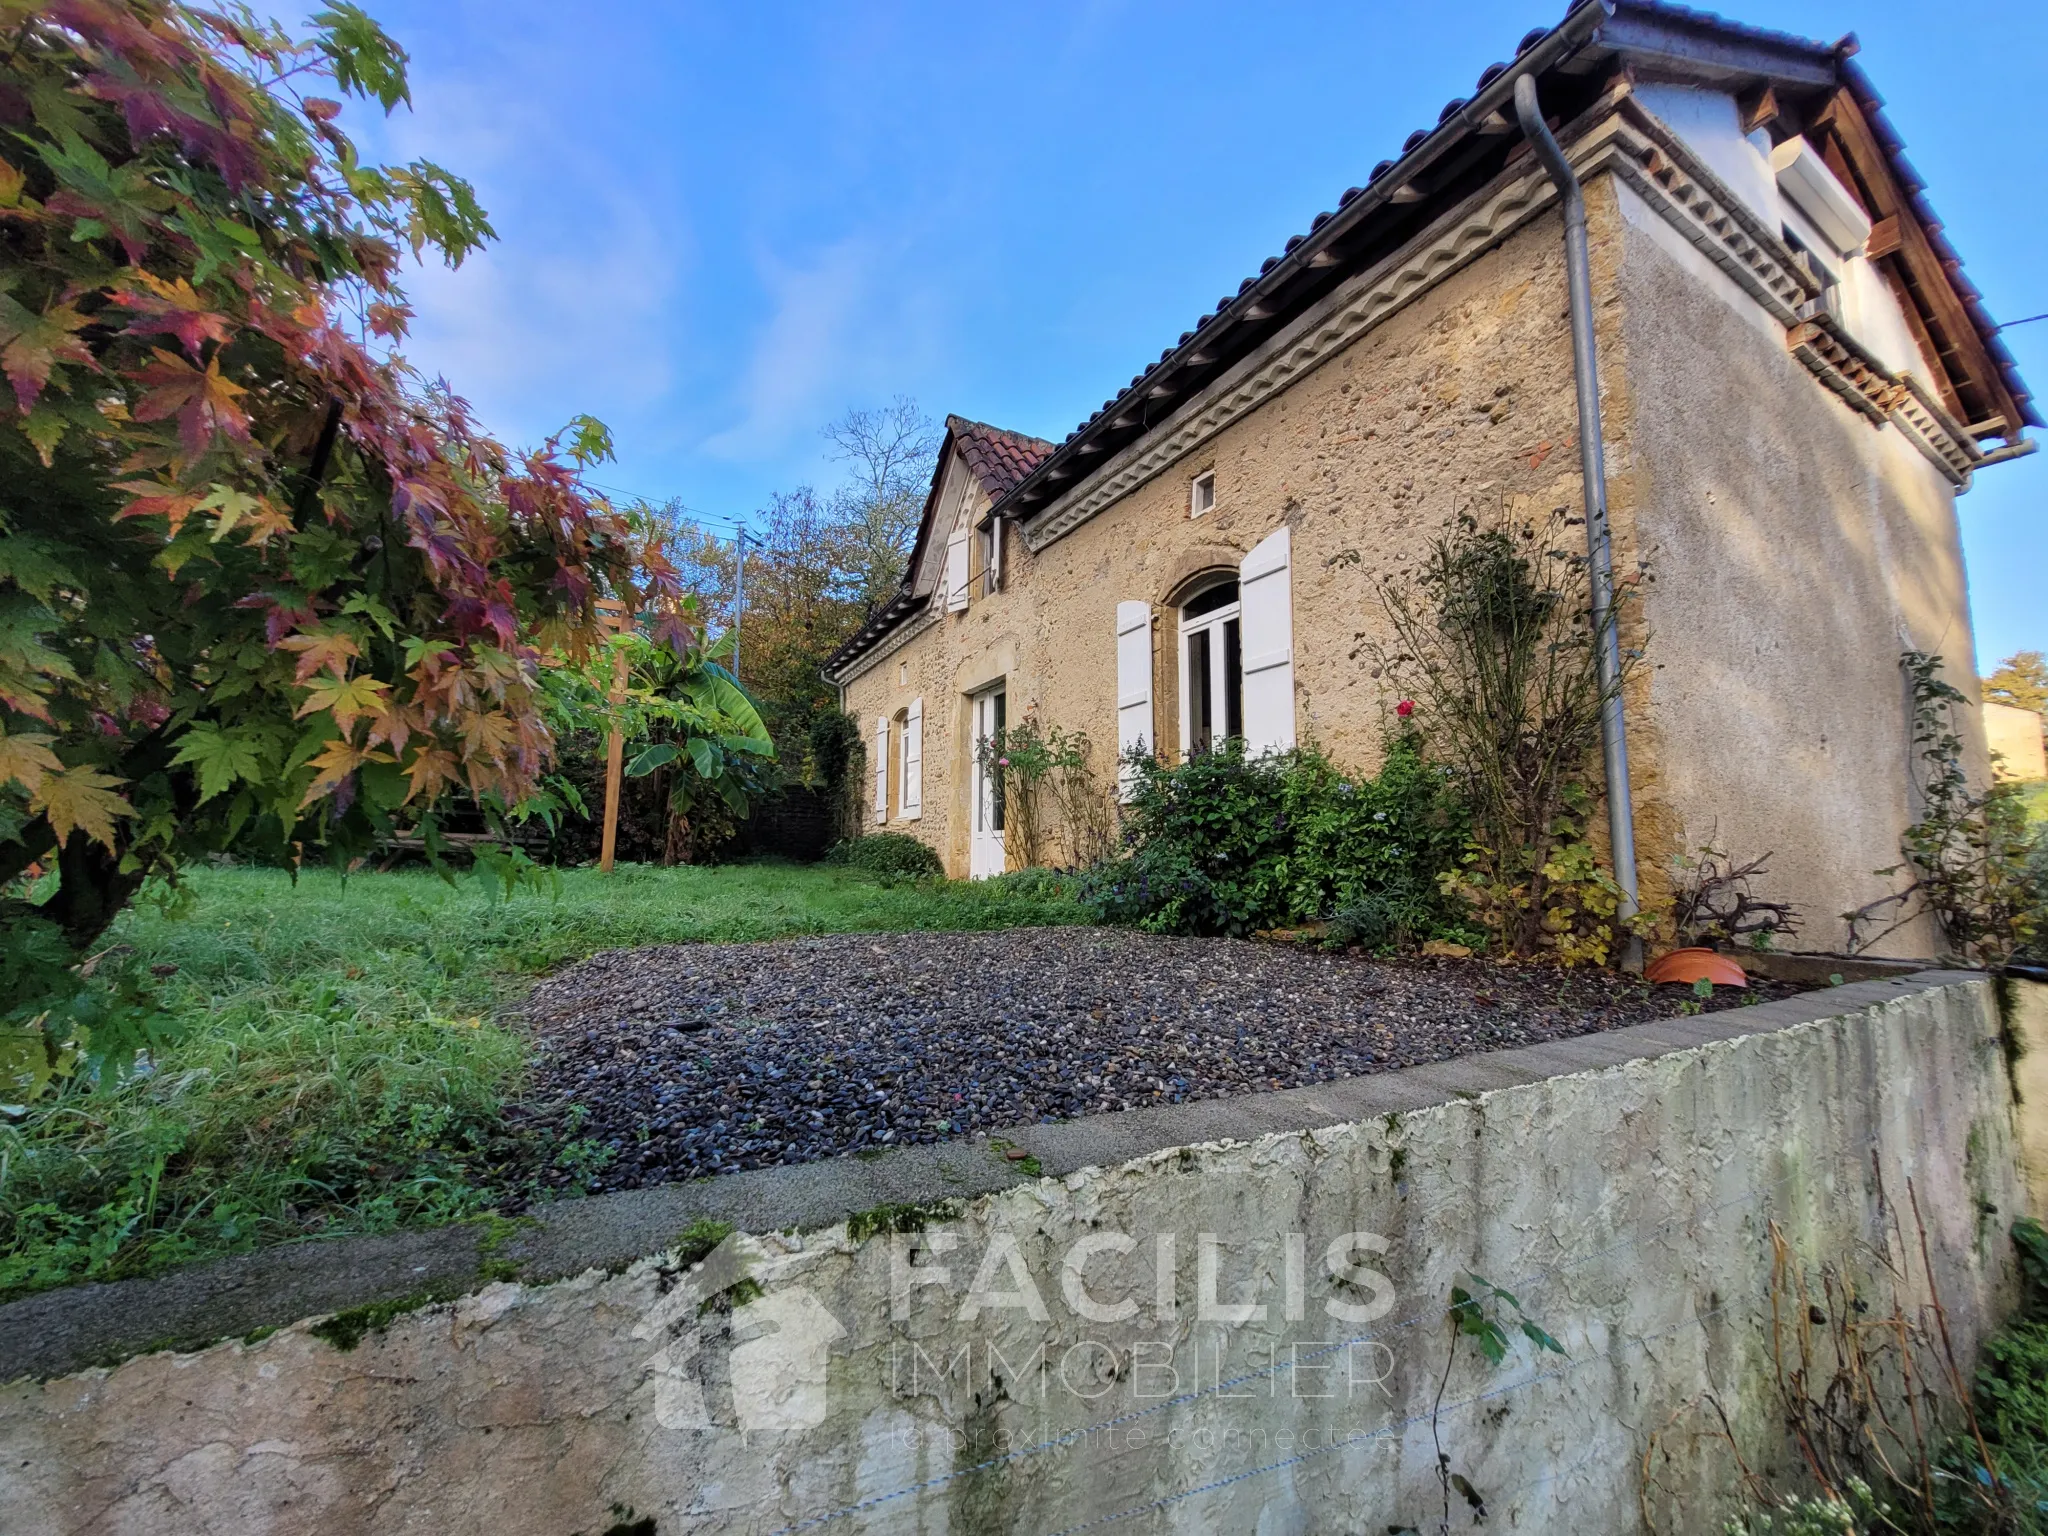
2015,735
1791,551
1242,1332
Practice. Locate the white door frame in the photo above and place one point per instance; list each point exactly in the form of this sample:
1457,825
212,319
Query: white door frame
985,855
1211,622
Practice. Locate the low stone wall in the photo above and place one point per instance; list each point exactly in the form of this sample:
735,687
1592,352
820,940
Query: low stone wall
1220,1317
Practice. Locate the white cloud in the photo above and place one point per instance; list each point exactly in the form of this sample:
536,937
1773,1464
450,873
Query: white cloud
573,308
803,352
557,321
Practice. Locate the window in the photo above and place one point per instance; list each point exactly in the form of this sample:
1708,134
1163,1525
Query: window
1823,269
1202,494
1133,687
985,809
1212,668
988,551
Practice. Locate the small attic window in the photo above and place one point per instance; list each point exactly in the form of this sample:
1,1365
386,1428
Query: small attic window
1202,494
1821,266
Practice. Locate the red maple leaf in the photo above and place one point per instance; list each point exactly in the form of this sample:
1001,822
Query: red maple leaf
201,398
170,308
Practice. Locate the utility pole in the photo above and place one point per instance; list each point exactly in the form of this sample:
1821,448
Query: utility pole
739,594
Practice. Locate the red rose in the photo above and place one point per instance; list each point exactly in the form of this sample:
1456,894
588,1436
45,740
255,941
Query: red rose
1405,708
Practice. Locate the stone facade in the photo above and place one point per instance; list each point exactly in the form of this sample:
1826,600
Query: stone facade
1783,537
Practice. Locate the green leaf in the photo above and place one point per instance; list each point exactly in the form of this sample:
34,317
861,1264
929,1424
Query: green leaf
1541,1339
30,563
590,440
25,662
119,198
714,688
223,758
704,756
365,60
384,785
45,428
373,610
444,211
660,755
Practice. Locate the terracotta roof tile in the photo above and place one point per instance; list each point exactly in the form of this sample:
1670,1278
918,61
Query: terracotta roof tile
998,459
1119,403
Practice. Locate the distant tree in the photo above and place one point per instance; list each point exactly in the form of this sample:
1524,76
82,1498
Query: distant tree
806,569
2021,680
805,594
260,588
704,559
888,452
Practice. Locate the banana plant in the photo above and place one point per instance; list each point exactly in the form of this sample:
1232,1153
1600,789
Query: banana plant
679,709
692,710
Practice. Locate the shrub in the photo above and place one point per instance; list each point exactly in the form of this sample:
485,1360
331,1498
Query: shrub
889,854
1034,884
1051,795
1974,866
1496,634
1230,844
1891,1434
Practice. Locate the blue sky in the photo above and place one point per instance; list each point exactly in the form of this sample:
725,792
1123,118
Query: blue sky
722,225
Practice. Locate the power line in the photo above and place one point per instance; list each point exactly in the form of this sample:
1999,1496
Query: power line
685,515
2030,319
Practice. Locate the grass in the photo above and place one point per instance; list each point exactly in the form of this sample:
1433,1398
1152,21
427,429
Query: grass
335,1064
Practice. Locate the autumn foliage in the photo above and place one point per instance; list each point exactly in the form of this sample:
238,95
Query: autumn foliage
259,585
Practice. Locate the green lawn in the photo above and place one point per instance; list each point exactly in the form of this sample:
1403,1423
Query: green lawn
337,1066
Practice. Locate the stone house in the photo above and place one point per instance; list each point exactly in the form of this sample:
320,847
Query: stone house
2015,738
1795,381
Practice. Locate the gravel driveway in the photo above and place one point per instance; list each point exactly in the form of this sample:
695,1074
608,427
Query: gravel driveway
705,1058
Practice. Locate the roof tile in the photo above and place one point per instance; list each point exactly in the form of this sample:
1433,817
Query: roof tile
996,458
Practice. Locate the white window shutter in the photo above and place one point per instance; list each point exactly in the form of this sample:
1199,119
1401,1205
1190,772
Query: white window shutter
956,570
910,798
1266,606
995,554
881,768
1133,683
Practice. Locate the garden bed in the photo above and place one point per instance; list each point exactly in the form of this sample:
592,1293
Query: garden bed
687,1060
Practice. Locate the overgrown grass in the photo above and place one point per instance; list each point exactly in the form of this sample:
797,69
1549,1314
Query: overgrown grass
337,1067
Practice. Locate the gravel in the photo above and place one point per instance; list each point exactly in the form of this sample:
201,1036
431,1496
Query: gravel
706,1058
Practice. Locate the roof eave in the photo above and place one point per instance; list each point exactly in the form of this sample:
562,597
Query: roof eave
871,634
1550,50
1593,33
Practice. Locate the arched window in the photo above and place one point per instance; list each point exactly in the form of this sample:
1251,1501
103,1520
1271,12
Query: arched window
1211,667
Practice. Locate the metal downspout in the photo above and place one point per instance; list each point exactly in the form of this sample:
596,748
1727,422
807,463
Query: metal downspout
1621,826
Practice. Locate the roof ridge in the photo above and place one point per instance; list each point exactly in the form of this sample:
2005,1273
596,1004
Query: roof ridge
955,423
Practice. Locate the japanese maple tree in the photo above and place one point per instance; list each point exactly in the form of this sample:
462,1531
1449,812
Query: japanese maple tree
259,585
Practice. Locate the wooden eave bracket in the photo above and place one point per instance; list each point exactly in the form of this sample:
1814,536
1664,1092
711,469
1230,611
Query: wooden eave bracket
1924,281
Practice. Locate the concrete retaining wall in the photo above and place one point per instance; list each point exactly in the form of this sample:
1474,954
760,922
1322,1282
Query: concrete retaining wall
1223,1317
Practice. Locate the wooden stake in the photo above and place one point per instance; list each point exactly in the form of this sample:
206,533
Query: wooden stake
615,742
